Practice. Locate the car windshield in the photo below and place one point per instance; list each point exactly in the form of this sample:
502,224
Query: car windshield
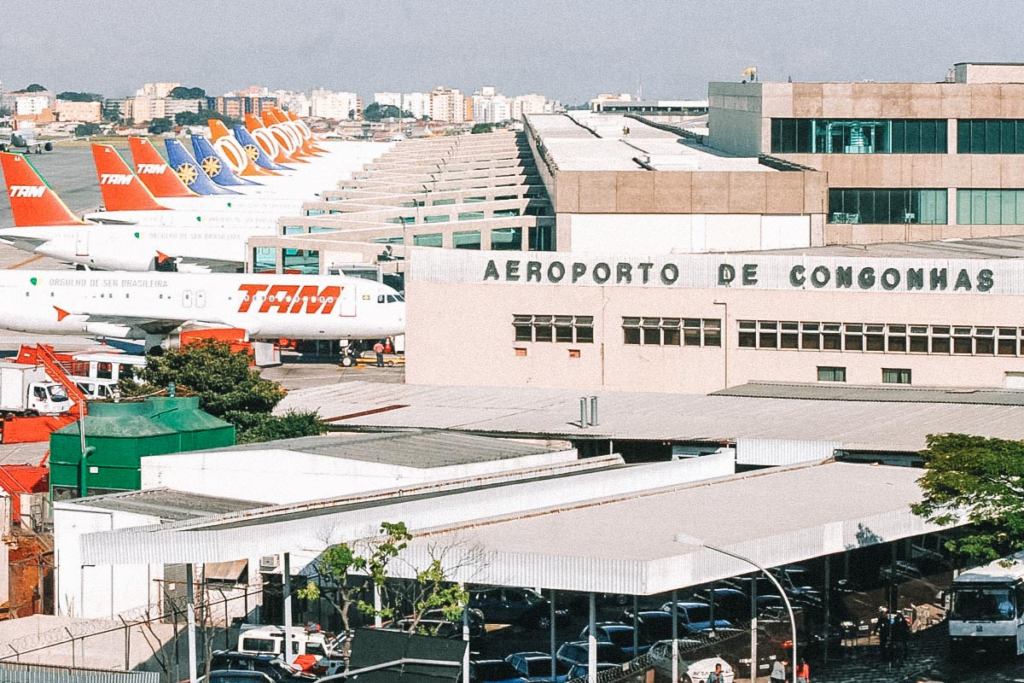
657,627
542,667
698,613
991,603
58,393
495,671
620,637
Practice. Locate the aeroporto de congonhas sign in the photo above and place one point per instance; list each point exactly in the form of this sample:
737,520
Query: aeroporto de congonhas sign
713,271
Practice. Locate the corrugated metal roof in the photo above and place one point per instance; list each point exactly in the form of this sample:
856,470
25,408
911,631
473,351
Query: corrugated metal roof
409,449
167,504
554,413
894,394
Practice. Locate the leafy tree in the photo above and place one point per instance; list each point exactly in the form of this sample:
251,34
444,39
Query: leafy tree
378,112
183,93
982,479
5,111
35,87
160,126
482,128
86,129
71,96
200,118
227,388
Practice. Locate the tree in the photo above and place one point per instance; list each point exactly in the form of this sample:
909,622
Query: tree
86,129
183,93
482,128
200,118
378,112
35,87
980,479
160,126
71,96
227,388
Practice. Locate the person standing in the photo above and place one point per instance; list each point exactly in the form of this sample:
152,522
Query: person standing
884,628
900,636
378,349
778,674
716,676
803,672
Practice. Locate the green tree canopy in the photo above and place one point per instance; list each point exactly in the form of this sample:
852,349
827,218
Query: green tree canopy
71,96
227,388
160,126
982,479
35,87
200,118
85,129
378,112
183,93
482,128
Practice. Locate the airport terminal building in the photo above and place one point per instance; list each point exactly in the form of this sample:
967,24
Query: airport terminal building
946,316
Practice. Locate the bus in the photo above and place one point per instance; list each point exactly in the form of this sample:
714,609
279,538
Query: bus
986,609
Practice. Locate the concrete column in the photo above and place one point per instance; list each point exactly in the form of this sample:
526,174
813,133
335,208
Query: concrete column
675,638
828,603
190,616
465,638
592,641
377,605
753,629
289,656
553,643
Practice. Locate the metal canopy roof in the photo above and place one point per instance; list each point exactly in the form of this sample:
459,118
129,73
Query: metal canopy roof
630,530
167,504
897,394
854,424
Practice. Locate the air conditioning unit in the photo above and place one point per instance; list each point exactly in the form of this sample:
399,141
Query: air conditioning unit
268,563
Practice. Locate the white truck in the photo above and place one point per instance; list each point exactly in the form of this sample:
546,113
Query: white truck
27,390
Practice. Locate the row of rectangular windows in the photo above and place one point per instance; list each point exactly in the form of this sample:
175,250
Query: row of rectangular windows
881,338
895,136
569,329
926,207
672,331
827,373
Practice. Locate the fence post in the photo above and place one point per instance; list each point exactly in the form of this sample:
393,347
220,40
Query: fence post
127,643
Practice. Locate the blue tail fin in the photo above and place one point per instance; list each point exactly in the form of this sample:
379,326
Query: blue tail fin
214,165
249,143
190,172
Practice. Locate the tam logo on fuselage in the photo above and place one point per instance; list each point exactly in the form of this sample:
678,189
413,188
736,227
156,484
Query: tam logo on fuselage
291,298
150,169
27,190
116,178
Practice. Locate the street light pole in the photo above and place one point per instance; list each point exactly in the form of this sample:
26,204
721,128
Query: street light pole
785,598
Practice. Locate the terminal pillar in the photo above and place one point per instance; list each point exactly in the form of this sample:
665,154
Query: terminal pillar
289,656
190,617
592,640
554,641
675,637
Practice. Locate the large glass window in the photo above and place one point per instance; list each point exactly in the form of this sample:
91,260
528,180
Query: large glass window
990,136
469,239
264,259
507,239
542,238
859,136
429,240
888,207
990,207
301,261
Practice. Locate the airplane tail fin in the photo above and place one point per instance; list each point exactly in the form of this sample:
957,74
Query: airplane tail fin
220,170
300,127
121,189
33,202
257,141
190,171
154,172
287,138
267,140
232,151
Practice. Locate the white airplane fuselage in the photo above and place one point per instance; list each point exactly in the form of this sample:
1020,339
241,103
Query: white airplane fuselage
136,305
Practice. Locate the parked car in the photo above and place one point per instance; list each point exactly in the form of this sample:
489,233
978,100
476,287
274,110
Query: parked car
730,603
690,671
273,666
518,606
619,635
433,617
695,616
580,670
578,653
493,671
236,677
654,625
535,667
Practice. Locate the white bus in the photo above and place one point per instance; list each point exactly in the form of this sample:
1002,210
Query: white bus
986,610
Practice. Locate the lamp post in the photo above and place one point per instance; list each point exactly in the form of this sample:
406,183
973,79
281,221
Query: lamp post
689,540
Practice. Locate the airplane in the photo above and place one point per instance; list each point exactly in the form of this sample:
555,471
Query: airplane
45,225
24,138
151,306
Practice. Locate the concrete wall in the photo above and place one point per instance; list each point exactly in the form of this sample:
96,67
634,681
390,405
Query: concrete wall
734,117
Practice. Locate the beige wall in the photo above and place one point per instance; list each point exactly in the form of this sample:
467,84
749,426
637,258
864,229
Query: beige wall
478,319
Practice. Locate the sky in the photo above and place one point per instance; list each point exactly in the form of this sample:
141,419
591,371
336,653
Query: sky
569,50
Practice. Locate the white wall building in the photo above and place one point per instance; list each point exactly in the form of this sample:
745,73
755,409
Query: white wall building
159,90
388,99
447,105
530,104
416,103
334,105
31,105
297,102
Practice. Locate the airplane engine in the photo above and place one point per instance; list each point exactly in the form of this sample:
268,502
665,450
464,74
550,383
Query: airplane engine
48,146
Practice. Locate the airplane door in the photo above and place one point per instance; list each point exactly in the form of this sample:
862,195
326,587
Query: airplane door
186,298
200,299
82,243
348,302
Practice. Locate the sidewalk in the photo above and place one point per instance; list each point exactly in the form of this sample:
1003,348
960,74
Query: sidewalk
864,664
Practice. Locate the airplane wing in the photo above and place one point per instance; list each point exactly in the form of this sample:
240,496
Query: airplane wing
149,324
207,265
22,242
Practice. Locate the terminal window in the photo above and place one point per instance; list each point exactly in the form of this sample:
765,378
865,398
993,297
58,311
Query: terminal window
895,376
990,207
957,340
567,329
831,374
990,136
859,136
887,207
672,331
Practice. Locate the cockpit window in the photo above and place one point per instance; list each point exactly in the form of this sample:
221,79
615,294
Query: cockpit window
380,298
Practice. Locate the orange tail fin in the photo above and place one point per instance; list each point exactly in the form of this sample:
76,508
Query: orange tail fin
121,189
228,147
154,172
33,202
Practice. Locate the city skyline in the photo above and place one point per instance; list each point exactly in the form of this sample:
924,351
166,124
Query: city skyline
570,52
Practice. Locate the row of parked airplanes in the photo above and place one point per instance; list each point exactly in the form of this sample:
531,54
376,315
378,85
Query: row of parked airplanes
193,214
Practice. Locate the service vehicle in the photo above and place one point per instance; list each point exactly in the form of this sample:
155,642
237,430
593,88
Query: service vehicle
27,390
986,611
